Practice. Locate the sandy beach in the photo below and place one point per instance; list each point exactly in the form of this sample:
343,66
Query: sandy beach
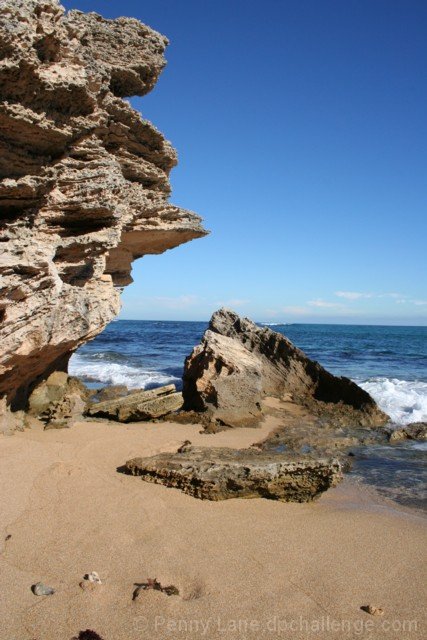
134,504
243,568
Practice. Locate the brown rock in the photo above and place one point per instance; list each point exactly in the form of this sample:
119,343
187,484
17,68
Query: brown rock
223,377
84,183
220,473
142,405
10,421
412,431
58,401
372,610
238,363
111,393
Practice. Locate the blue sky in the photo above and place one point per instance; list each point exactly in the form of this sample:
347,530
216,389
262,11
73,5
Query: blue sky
301,131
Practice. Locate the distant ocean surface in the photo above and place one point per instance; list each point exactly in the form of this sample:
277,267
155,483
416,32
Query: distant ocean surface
389,362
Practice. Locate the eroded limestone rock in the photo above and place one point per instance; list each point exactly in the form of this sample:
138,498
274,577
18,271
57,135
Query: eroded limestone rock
59,401
111,393
84,181
412,431
238,363
221,473
140,405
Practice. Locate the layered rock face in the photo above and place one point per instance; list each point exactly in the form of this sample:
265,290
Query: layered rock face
83,181
238,363
139,405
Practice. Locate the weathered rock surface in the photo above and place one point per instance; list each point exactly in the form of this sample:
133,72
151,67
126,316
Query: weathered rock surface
238,363
412,431
220,473
11,421
141,405
59,401
111,393
224,378
84,182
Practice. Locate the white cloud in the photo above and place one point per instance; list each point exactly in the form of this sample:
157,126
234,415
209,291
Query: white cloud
391,295
358,295
325,304
419,303
353,295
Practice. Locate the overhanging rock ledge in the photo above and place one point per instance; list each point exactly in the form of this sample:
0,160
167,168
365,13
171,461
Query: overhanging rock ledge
84,182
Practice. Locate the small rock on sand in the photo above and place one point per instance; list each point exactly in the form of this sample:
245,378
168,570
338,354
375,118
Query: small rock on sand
40,589
93,577
372,610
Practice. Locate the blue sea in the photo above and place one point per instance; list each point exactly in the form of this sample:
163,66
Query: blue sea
389,362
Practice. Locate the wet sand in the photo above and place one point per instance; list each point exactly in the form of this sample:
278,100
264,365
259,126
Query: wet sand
243,568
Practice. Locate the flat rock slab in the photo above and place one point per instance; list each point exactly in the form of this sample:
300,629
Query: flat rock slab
142,405
221,473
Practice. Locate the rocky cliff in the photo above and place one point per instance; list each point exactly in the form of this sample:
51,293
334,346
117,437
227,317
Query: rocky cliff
83,180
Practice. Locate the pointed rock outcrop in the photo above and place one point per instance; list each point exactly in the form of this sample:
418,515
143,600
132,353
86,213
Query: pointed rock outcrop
238,363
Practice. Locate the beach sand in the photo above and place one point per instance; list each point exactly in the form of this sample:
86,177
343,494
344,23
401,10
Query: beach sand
244,568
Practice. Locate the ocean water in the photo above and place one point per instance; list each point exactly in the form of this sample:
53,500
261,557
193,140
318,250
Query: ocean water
388,362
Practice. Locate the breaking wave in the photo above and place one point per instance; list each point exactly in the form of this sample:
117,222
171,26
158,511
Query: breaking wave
110,372
404,401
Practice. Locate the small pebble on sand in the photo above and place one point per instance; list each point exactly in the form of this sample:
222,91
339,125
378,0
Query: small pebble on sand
372,610
93,577
40,589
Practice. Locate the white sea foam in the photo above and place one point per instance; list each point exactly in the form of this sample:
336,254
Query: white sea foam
404,401
114,373
276,324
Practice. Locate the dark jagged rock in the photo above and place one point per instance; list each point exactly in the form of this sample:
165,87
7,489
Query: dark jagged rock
238,363
220,473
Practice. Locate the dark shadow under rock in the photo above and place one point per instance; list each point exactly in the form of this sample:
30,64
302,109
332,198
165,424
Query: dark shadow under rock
88,634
